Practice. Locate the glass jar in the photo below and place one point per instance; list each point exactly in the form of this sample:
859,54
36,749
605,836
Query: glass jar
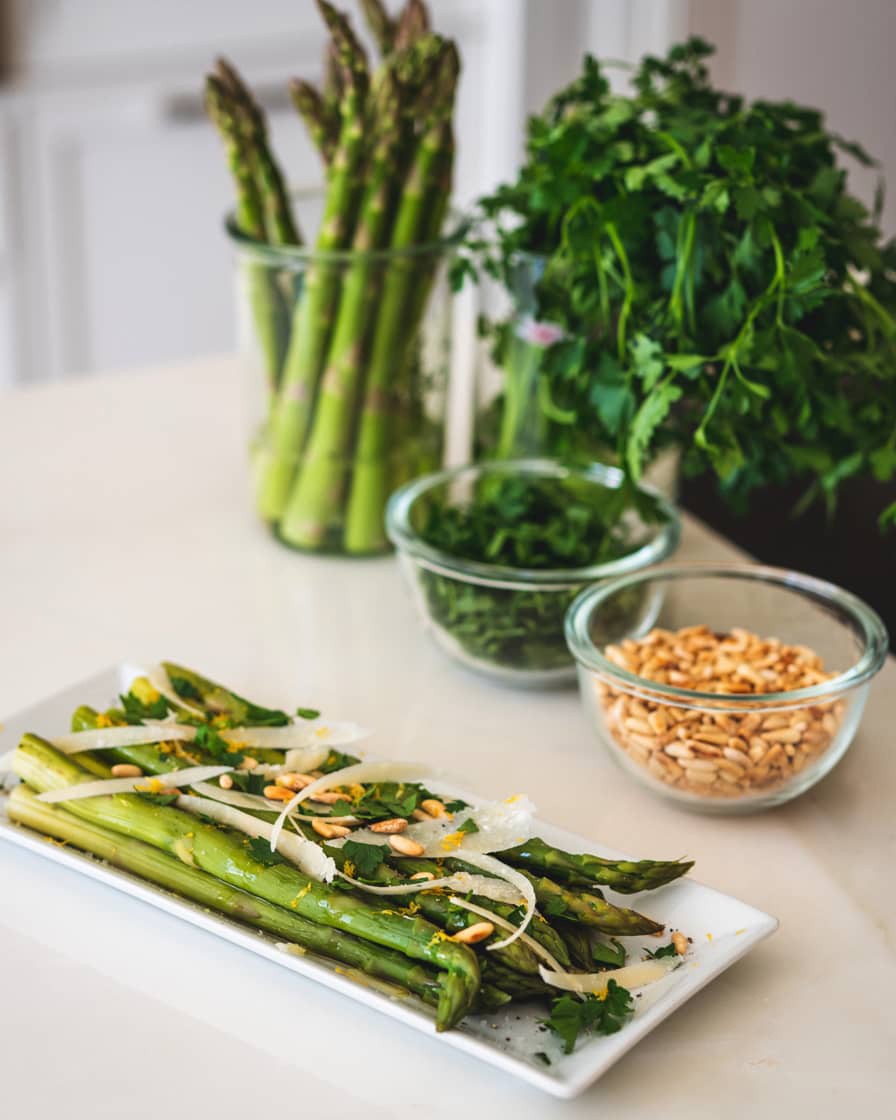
525,363
346,356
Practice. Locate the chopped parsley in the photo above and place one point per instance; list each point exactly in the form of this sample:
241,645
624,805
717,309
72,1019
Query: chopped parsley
209,740
307,713
260,850
571,1016
611,953
469,826
657,954
367,858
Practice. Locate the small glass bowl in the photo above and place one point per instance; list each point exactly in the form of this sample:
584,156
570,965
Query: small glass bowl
719,751
501,621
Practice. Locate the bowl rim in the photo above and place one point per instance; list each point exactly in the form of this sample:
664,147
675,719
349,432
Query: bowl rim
867,620
398,527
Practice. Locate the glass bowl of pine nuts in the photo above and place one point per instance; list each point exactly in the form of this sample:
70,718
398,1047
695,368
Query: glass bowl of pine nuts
737,688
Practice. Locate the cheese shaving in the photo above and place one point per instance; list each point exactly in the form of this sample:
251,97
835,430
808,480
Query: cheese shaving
103,786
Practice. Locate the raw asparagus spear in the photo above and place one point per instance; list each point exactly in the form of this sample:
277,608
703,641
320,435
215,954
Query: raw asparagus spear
625,876
412,24
189,882
380,23
322,124
319,485
279,224
228,856
312,319
394,333
268,311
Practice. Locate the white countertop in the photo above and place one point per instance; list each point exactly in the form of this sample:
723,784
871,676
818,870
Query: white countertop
126,531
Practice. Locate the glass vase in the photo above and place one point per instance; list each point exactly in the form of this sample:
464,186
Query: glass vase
524,362
346,356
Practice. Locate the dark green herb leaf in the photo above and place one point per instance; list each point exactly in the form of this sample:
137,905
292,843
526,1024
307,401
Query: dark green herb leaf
610,953
209,740
657,954
157,798
366,857
572,1016
469,826
307,713
260,850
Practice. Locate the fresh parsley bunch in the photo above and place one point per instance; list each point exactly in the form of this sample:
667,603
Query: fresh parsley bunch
711,283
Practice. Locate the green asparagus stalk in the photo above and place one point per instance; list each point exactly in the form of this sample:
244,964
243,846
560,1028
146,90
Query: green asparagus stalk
174,875
218,700
279,224
516,985
318,490
412,24
381,24
624,876
394,333
321,122
228,857
268,311
313,316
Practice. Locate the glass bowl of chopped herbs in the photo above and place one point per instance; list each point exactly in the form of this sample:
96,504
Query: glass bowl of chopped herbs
496,552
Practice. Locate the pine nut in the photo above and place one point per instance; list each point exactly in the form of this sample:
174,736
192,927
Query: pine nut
327,797
475,933
420,815
277,793
405,846
248,763
329,831
126,770
434,807
680,942
225,781
295,782
422,876
395,824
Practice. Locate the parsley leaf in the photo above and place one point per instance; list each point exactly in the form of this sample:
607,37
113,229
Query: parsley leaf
260,850
136,711
366,857
657,954
571,1017
307,713
469,826
611,953
209,740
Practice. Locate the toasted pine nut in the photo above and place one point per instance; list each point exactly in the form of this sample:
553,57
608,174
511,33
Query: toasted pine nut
421,876
126,770
277,793
248,763
680,942
295,782
225,781
327,797
420,815
391,826
405,846
474,933
329,831
434,807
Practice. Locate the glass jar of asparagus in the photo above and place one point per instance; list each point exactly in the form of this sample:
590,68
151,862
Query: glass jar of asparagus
346,337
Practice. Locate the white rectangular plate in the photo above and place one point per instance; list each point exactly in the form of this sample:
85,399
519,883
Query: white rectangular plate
722,930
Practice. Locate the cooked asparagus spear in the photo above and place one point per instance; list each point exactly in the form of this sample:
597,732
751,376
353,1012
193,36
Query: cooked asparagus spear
381,24
228,856
585,870
189,882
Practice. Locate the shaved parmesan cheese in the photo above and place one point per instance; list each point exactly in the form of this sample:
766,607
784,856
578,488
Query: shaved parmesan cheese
161,682
297,736
495,867
499,825
497,920
104,738
596,983
361,772
103,786
308,857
